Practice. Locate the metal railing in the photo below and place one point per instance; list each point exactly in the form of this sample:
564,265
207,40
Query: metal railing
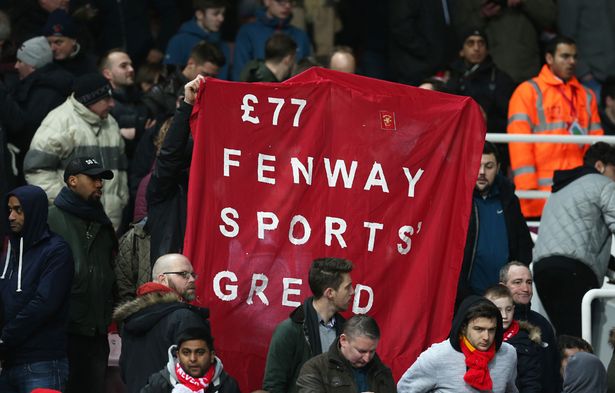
575,139
586,309
582,139
591,295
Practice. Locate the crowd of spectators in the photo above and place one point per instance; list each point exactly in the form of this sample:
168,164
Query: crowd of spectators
94,90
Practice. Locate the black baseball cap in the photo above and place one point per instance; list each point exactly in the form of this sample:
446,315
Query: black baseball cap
87,166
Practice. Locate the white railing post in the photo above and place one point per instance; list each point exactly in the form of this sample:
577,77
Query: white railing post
586,310
550,138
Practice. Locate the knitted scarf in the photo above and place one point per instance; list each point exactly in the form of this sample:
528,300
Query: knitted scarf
477,363
194,384
512,331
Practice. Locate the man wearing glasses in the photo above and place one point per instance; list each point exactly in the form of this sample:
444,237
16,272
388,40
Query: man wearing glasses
151,323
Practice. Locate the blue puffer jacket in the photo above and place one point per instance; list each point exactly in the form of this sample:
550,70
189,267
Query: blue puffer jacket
37,271
251,39
190,34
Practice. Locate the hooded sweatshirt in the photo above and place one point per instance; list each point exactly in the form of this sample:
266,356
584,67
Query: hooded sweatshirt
584,374
190,34
442,366
251,39
37,271
166,379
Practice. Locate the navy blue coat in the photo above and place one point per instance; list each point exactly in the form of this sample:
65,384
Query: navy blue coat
35,303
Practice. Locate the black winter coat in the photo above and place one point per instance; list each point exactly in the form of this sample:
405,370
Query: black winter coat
161,99
23,109
420,42
167,191
490,87
550,358
529,369
150,324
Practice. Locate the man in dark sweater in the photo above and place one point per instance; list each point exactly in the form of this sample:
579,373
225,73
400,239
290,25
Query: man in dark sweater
497,232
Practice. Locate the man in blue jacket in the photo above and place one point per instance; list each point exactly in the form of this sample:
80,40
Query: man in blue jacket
205,26
37,271
251,38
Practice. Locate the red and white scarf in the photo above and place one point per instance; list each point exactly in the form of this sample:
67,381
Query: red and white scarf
193,384
512,331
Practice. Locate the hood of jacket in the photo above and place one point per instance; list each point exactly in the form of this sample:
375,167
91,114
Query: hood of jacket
87,115
34,204
533,332
459,319
459,66
548,77
276,23
584,374
143,313
191,27
564,177
170,368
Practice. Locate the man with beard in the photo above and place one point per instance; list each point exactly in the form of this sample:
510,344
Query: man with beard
497,233
152,322
78,216
34,292
129,111
552,103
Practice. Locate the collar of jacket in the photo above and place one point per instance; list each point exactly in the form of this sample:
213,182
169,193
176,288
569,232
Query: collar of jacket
275,23
131,307
338,361
548,77
87,115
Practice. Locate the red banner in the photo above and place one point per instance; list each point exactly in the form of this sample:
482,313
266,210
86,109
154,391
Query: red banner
329,164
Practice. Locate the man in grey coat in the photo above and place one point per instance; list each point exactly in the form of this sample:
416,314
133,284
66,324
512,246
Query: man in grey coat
473,358
573,249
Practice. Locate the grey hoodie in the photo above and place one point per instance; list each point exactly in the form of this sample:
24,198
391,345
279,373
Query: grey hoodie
440,368
584,374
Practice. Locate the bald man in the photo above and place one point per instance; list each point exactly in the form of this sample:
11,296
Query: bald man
151,323
343,60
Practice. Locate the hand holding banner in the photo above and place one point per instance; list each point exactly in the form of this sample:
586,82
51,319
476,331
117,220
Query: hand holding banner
329,164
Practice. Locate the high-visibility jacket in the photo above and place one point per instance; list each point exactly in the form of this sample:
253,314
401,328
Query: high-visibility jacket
547,105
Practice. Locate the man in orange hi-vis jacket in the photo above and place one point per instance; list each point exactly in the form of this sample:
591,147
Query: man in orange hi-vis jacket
554,102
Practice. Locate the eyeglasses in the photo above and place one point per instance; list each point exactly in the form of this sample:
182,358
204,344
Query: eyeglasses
185,275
